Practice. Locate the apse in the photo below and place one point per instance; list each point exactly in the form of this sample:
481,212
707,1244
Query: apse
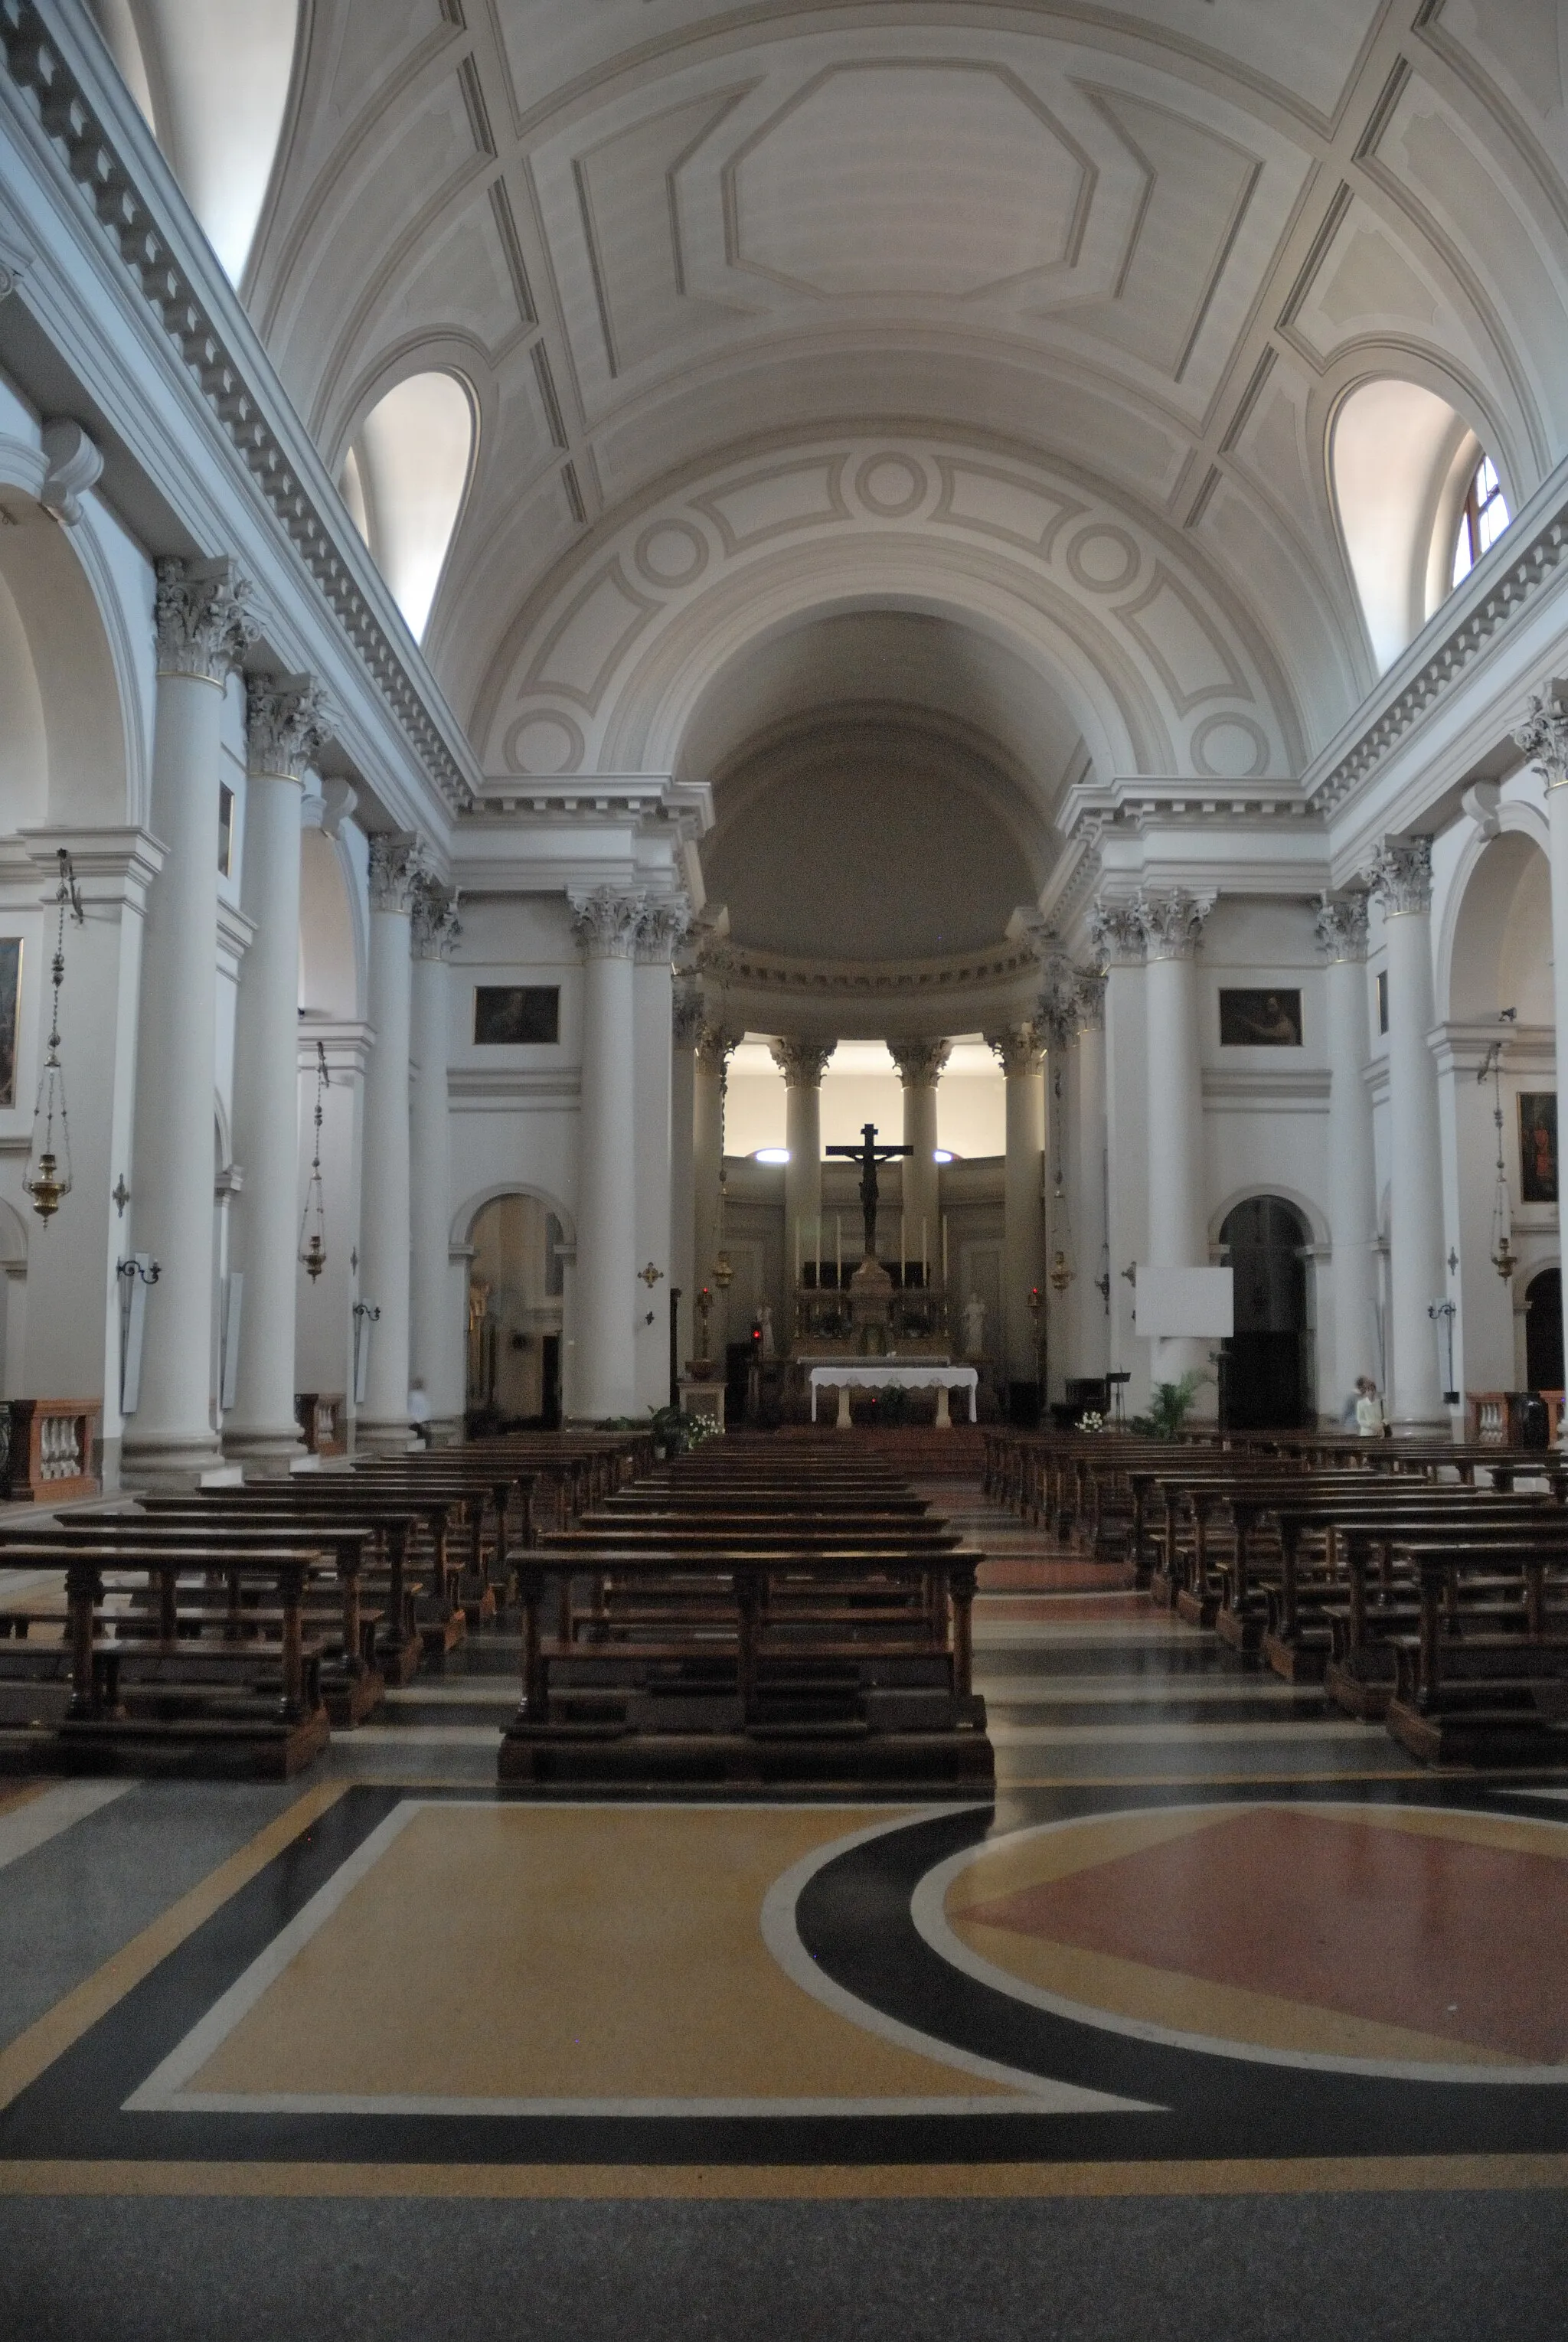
882,788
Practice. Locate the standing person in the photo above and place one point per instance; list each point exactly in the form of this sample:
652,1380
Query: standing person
1369,1415
419,1412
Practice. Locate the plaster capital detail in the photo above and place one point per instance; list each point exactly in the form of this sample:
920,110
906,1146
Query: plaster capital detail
606,924
286,721
921,1063
1400,876
1542,737
716,1046
1172,923
661,931
1057,1016
1019,1049
1092,1000
686,1014
802,1061
203,618
435,924
1116,935
1340,927
396,871
74,465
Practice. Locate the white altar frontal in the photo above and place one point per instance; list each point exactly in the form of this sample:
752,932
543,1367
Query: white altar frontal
845,1375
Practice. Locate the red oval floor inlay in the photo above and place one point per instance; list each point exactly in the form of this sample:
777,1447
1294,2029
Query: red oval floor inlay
1451,1937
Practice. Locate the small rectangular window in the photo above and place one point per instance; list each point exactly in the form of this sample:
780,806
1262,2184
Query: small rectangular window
509,1015
1382,1000
226,832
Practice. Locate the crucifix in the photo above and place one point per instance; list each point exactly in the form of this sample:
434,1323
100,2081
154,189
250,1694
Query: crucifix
868,1155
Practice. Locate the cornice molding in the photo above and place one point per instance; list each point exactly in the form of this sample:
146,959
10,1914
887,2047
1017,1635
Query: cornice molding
140,210
759,971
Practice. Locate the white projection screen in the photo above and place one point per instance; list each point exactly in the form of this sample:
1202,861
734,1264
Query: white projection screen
1174,1301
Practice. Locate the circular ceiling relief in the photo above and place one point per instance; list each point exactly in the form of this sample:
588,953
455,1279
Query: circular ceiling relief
1229,749
671,553
1102,559
543,745
889,484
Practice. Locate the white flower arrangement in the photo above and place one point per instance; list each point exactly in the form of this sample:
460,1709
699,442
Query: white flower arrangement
1092,1421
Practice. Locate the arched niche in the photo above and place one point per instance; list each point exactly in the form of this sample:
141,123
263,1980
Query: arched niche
515,1318
1497,950
331,947
71,730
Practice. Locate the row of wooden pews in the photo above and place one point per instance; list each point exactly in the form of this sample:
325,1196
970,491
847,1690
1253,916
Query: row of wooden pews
752,1616
230,1630
1420,1583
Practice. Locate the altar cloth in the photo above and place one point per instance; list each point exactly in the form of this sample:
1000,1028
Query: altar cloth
866,1374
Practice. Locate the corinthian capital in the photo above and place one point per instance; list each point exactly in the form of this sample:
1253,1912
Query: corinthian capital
605,923
435,924
921,1064
1115,934
1544,738
716,1045
1092,1000
287,720
1172,922
803,1063
396,871
661,931
1057,1018
204,619
685,1015
1018,1049
1400,876
1340,927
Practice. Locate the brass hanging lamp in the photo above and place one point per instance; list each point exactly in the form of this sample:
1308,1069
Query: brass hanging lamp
312,1248
47,1178
1504,1258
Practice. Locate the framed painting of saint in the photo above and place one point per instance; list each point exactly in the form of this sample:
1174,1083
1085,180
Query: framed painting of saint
10,1015
1538,1147
1260,1020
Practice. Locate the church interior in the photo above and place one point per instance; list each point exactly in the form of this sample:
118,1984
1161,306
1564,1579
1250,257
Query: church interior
784,1485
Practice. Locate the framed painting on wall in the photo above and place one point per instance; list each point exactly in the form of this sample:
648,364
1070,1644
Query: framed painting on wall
10,1015
1538,1147
512,1015
1260,1020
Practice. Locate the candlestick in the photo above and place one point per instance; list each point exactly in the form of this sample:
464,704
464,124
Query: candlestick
944,1252
924,1249
838,1250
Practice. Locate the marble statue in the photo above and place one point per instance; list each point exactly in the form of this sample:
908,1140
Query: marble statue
974,1326
769,1353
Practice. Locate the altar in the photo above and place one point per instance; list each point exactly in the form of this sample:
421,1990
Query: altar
915,1374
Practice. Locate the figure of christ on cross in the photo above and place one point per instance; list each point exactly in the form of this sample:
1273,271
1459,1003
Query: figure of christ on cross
868,1155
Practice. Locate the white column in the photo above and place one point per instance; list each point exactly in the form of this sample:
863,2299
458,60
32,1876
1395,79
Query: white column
714,1048
1091,1352
1056,1021
437,1285
385,1222
286,725
606,925
920,1068
1342,931
803,1063
1543,737
1117,939
1178,1222
203,629
1401,879
685,1024
659,930
1023,1220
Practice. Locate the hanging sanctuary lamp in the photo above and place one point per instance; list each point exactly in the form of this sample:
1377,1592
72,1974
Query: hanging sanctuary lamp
312,1250
1502,1255
47,1178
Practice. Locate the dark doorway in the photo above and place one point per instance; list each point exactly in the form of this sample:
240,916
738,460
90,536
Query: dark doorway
1544,1331
550,1380
1266,1378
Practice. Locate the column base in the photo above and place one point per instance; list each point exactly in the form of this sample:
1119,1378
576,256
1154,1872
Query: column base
270,1451
1421,1427
383,1435
168,1459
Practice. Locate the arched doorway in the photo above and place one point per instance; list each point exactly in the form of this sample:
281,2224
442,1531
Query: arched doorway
515,1299
1544,1331
1265,1380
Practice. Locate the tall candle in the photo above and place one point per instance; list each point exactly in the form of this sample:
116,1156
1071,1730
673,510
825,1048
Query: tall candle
944,1252
838,1249
924,1249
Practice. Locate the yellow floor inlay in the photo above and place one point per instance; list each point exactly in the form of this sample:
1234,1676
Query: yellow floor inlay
565,1954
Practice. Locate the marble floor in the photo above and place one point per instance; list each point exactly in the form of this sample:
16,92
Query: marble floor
1226,2018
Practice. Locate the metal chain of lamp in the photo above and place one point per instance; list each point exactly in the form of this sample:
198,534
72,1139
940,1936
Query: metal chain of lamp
47,1178
1504,1260
312,1219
